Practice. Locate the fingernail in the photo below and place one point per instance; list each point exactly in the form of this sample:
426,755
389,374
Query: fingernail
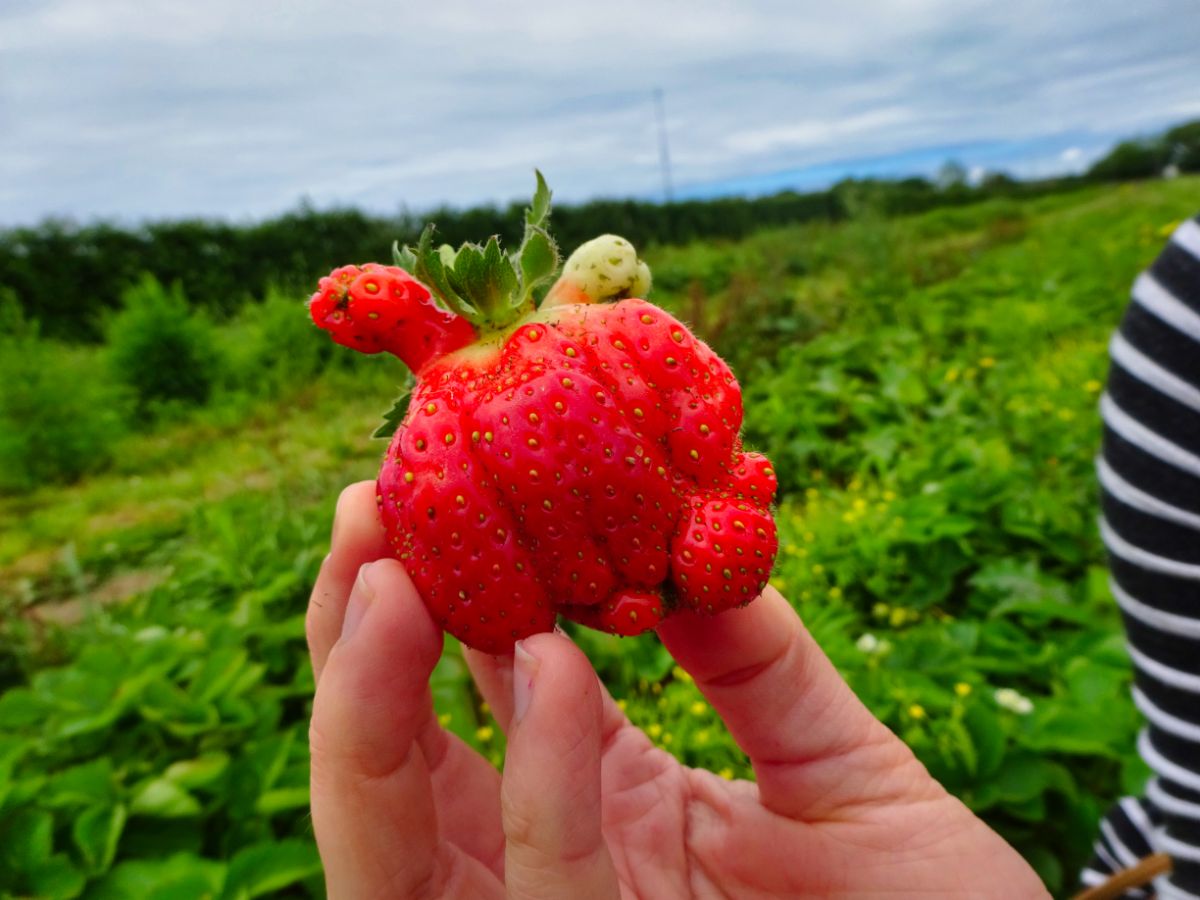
525,666
361,597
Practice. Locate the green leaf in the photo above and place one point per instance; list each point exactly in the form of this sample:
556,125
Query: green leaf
428,267
97,832
539,208
1047,865
264,868
25,788
1135,772
404,257
219,671
468,277
538,261
200,772
1069,729
502,280
988,737
57,879
20,707
394,416
163,799
27,839
282,799
180,876
82,785
176,710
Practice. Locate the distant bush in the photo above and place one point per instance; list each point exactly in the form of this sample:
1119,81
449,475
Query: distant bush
164,351
60,417
273,345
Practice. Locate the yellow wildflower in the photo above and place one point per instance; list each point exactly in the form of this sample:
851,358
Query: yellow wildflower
654,730
835,593
987,362
962,689
444,719
726,773
699,708
916,711
485,733
1092,386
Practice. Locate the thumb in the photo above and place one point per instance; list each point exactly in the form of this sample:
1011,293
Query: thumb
788,708
550,795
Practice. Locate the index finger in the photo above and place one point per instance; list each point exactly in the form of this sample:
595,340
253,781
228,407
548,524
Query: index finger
358,538
787,707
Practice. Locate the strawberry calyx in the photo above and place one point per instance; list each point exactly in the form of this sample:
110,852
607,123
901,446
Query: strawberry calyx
481,283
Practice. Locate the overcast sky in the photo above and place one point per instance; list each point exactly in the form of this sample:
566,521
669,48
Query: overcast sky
133,109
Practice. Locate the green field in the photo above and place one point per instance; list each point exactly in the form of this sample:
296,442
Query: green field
926,387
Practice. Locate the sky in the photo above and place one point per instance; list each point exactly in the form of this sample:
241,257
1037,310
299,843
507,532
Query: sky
128,110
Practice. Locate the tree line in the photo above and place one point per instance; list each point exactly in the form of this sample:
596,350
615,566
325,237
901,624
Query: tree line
67,276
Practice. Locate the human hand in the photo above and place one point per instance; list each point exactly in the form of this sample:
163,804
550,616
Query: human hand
587,806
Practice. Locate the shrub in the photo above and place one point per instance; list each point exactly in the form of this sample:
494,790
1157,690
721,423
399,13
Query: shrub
273,345
162,350
60,416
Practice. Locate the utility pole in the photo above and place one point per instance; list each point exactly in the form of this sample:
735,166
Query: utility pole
664,155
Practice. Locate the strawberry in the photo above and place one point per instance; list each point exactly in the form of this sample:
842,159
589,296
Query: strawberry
580,457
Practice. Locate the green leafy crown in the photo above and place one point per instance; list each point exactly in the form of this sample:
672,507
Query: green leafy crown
483,284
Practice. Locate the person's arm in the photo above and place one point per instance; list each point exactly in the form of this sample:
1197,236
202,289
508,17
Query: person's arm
1149,473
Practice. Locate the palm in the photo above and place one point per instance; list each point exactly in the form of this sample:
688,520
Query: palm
675,831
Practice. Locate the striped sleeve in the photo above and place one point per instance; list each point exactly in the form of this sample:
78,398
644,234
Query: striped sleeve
1149,473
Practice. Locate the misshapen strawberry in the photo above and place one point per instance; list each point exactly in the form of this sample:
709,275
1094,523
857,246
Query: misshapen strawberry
581,458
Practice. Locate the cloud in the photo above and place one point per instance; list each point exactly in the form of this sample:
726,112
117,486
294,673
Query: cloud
151,108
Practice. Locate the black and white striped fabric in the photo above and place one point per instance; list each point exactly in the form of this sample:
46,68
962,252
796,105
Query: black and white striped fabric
1149,473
